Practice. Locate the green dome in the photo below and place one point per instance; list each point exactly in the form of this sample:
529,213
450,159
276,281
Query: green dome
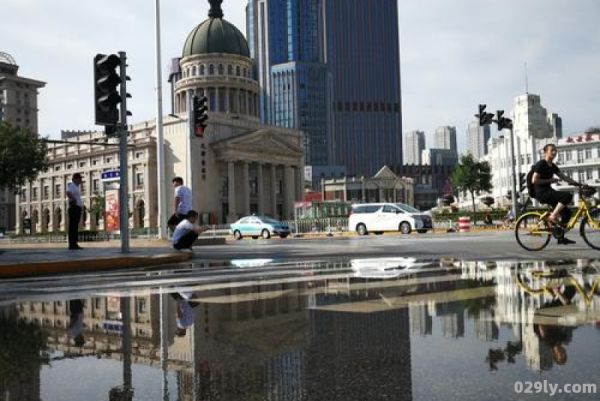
215,35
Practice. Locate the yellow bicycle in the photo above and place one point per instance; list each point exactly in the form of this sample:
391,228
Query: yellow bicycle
533,231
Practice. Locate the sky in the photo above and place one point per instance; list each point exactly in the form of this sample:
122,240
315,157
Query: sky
454,55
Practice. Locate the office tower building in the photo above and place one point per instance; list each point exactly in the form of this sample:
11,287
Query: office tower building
414,145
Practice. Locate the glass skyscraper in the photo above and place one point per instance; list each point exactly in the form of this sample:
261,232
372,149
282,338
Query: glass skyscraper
331,68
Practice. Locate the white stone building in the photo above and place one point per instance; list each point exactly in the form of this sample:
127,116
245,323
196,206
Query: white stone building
445,138
237,167
477,139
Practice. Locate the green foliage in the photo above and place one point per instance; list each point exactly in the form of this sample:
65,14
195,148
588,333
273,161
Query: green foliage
22,349
22,156
471,176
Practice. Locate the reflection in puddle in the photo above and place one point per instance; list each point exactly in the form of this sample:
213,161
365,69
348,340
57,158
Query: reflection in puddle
362,329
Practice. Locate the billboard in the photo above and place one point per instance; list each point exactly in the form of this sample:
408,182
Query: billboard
112,210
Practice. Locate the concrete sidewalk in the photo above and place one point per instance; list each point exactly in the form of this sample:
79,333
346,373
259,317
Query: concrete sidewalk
20,260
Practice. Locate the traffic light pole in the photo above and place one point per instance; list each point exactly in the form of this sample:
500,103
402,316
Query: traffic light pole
514,173
188,144
123,134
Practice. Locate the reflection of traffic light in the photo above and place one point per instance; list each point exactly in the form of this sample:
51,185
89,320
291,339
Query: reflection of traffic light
200,114
503,122
484,118
106,92
522,181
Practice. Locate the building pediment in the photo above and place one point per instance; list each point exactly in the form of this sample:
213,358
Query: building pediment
261,145
385,173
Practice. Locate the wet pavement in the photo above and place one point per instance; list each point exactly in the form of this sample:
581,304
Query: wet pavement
376,328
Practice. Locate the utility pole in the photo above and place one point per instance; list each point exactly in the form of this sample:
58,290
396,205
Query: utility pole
123,182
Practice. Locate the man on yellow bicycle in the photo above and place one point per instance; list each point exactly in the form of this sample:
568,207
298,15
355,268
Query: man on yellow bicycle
543,176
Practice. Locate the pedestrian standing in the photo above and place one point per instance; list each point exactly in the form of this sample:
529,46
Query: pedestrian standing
183,203
75,208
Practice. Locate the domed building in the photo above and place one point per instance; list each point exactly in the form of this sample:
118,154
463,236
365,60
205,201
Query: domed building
240,165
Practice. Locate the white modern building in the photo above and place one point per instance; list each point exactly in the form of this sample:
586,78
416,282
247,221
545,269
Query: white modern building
477,139
438,157
533,129
445,138
414,145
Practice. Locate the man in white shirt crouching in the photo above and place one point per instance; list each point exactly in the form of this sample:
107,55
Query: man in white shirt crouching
187,231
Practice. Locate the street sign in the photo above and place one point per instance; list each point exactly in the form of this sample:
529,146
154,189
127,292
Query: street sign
110,176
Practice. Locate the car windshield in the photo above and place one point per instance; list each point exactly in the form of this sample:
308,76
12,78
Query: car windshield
269,220
407,208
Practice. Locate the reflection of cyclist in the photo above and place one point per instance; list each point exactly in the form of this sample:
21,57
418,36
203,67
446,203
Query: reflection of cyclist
553,335
543,177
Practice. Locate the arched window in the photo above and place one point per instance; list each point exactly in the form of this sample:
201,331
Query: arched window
237,70
245,72
229,69
187,72
211,69
194,71
221,70
201,69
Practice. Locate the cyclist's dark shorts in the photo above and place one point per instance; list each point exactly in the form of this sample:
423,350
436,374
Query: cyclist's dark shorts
552,197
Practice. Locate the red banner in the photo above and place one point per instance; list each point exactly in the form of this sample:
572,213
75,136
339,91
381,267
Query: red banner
112,210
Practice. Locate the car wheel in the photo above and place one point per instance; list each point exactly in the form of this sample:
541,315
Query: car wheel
237,235
405,227
266,234
421,231
361,229
283,235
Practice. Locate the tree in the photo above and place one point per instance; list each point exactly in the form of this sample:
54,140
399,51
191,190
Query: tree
22,156
472,176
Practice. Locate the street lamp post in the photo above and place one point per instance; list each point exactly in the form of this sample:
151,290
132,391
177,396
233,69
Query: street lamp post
160,142
513,162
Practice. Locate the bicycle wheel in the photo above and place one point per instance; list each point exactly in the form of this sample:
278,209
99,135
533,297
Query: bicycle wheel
590,229
532,232
537,281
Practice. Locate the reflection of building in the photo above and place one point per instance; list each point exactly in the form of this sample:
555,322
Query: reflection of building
420,321
19,108
385,186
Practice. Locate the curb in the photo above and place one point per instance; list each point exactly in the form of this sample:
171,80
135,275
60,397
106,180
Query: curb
17,270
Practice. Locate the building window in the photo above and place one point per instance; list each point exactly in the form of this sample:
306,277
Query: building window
221,69
139,155
57,167
46,192
211,69
588,174
201,69
95,161
139,179
588,154
34,194
69,166
108,160
57,193
96,185
23,195
142,306
82,187
194,71
229,69
237,70
82,164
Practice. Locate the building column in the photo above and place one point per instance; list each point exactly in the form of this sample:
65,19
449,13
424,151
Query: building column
299,176
274,186
246,188
288,191
231,215
260,188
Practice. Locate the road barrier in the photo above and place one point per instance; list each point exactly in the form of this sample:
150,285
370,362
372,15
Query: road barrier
464,224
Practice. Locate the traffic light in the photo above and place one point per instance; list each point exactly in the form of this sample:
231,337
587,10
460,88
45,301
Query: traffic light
106,91
503,122
484,118
200,114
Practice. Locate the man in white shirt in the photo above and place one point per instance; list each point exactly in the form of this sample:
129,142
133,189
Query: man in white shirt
75,208
183,202
187,231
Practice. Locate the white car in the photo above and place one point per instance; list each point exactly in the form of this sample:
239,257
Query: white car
380,217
